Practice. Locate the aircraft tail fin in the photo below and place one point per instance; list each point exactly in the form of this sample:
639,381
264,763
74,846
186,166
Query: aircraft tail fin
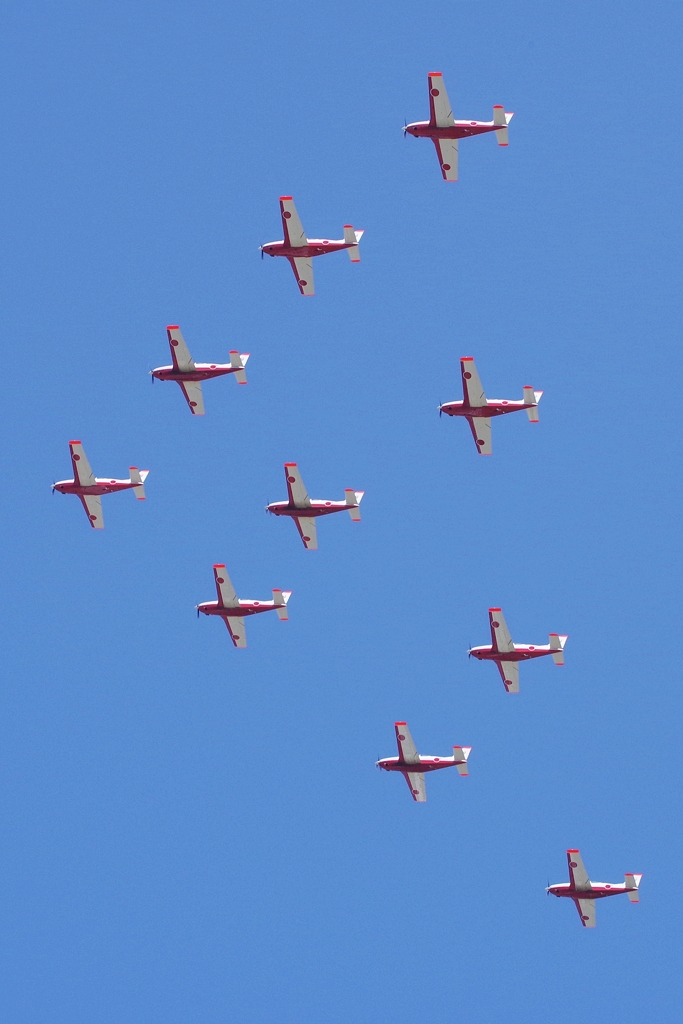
354,498
531,400
632,882
280,599
557,643
352,238
239,361
137,478
460,755
502,117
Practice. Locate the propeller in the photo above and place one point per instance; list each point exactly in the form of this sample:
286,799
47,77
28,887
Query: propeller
261,248
54,484
197,607
440,409
405,127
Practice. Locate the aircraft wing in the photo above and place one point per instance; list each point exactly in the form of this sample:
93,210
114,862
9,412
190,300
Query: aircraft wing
577,872
92,503
180,353
500,634
440,112
298,495
481,432
407,750
303,272
447,152
192,389
227,598
83,474
309,534
238,633
509,673
416,785
472,391
586,909
291,224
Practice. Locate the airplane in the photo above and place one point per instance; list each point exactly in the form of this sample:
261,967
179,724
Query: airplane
444,130
507,655
585,893
189,374
233,611
90,488
479,410
304,510
408,760
300,250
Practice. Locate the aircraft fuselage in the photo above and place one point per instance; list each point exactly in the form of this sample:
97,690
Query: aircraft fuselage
493,407
459,130
313,247
315,509
202,371
101,486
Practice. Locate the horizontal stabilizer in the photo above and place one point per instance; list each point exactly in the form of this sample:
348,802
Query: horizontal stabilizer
632,882
531,400
352,238
354,498
460,755
502,117
280,598
238,360
137,478
557,643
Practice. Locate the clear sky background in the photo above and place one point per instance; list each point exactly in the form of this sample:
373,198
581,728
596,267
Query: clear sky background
196,833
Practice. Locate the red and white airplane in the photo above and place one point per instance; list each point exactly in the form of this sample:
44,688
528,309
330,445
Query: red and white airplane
90,488
189,374
300,250
444,130
304,510
508,655
585,893
233,610
478,410
412,766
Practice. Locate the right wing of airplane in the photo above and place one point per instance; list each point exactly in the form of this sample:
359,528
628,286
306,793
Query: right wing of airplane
83,474
303,272
192,389
92,503
227,598
481,432
407,750
447,152
509,673
182,360
291,224
586,909
577,872
298,495
416,785
472,391
440,112
307,529
238,633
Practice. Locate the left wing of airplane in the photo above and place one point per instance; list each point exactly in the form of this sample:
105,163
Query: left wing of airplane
308,531
577,872
447,152
303,272
296,490
407,750
440,112
238,633
291,223
500,634
192,389
227,598
92,503
180,353
509,673
83,474
416,785
586,909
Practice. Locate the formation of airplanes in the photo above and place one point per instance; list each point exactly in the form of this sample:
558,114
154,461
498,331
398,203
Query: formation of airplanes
479,411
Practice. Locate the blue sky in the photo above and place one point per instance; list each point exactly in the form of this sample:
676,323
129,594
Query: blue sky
196,833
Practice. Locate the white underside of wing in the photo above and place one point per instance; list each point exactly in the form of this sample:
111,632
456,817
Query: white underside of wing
303,271
192,389
586,909
509,673
481,431
416,785
308,531
236,630
92,503
447,151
